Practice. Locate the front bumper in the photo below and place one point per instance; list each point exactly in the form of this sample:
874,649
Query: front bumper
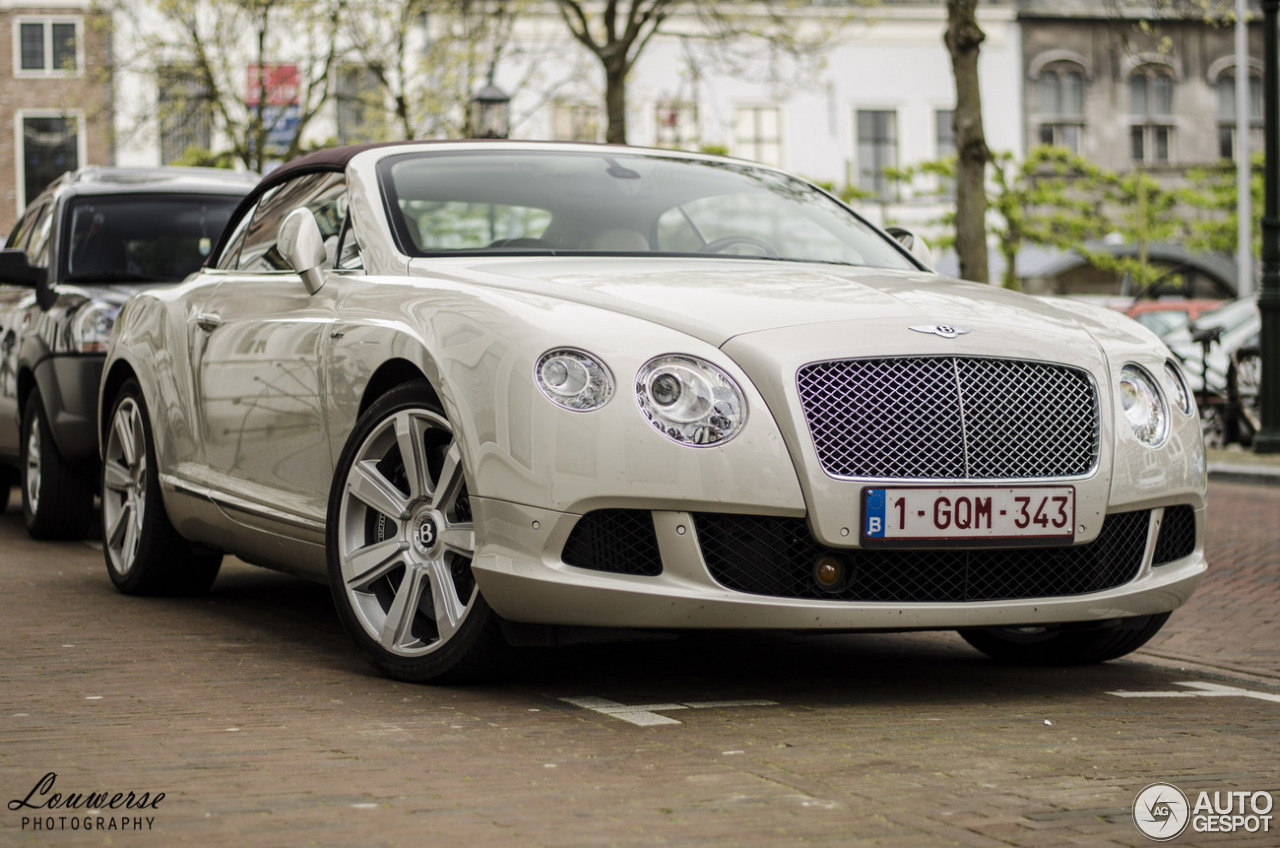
523,577
69,388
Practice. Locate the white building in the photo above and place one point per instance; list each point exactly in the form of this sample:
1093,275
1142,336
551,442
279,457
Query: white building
881,97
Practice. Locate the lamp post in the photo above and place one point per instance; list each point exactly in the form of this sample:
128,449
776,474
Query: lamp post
1268,439
490,112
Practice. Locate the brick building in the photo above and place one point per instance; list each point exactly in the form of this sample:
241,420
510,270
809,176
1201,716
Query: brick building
55,100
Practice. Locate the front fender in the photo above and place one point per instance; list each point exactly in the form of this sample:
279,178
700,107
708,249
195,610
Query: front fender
478,348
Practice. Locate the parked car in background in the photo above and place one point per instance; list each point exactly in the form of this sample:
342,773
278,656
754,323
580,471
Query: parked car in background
1166,315
493,392
1221,353
79,250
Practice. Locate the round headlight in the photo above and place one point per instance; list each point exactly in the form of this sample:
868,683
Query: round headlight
1144,405
91,328
1182,397
574,379
690,401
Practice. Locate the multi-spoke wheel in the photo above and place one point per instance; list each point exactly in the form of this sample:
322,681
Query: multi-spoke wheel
401,539
1065,645
57,499
145,555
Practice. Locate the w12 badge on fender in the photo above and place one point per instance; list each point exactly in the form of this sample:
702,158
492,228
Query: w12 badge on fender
969,514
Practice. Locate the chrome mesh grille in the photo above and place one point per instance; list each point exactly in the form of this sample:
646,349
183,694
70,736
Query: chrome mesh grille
621,541
773,556
944,418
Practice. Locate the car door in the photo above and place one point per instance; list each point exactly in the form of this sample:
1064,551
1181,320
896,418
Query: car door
257,345
18,312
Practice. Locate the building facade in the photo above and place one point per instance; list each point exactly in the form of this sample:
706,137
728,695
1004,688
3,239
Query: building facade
56,100
1159,96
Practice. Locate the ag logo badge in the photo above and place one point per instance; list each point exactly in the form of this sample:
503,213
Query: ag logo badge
1161,811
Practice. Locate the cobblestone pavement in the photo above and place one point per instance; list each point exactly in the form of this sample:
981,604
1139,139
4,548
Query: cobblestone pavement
253,715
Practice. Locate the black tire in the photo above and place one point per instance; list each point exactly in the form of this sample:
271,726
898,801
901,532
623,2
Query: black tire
1069,645
400,540
57,498
144,554
8,479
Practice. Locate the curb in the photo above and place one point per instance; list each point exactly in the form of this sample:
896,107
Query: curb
1251,474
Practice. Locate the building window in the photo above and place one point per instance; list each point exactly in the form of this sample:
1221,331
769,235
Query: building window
1151,116
1226,89
575,122
676,125
877,151
46,47
944,134
358,92
186,113
50,147
1060,92
757,134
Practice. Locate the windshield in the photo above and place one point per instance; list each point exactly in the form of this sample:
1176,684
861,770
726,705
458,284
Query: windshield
566,203
142,238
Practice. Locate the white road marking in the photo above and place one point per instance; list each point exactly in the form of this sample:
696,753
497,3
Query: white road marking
1203,690
646,715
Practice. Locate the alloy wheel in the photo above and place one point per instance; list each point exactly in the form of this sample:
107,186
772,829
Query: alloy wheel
405,534
124,486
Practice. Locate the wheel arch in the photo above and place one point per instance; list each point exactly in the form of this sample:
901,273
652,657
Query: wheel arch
26,382
390,374
119,373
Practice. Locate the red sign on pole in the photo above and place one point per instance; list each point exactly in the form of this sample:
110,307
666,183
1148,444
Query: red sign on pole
276,84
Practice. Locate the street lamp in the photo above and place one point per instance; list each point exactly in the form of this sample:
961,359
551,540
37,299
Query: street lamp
490,115
1268,438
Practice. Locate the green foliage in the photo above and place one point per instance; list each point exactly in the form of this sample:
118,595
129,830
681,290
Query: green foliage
1211,196
201,158
1056,198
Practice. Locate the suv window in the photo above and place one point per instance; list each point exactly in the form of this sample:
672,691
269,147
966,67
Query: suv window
324,194
142,238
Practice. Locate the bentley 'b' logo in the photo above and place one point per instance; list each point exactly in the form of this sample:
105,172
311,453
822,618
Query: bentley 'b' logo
947,331
427,532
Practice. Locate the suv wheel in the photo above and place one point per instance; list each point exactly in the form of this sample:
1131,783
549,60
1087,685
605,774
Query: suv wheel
57,499
8,479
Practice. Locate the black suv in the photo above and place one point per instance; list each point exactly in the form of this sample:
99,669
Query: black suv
79,250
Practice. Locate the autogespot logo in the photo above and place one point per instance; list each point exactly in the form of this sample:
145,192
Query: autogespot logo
1161,812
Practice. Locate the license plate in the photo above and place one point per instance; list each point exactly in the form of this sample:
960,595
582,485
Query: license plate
968,513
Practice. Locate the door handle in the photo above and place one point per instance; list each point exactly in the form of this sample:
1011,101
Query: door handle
208,323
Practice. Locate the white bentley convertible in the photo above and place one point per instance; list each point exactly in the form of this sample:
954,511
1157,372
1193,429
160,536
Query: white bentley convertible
495,392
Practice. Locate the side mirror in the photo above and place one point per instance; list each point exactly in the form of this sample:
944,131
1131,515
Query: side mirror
915,245
302,246
15,269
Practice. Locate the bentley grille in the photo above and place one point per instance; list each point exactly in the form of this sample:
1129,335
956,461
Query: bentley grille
948,417
775,556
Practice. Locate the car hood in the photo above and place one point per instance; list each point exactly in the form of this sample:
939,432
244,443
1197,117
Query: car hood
716,300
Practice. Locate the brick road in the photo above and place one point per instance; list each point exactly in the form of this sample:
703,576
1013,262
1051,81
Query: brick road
253,715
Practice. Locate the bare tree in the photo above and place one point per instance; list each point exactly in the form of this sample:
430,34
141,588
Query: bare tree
429,56
239,57
964,41
617,32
